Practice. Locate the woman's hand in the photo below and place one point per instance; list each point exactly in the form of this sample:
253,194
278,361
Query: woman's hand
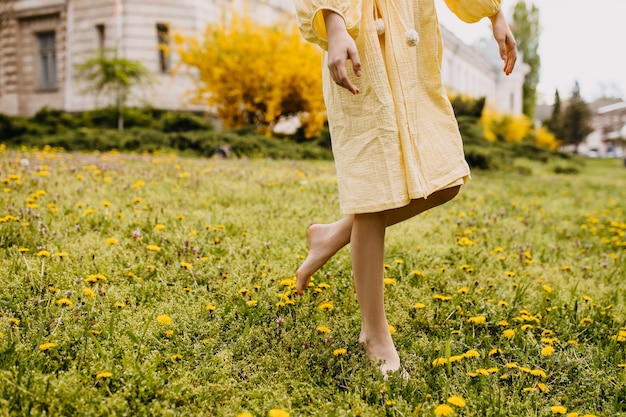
341,47
506,42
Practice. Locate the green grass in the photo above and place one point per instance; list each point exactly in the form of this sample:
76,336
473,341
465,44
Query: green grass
540,254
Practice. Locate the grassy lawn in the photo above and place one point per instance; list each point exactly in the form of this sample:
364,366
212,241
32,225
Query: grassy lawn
161,285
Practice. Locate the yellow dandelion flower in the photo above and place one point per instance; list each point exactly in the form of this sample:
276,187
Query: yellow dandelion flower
159,227
323,330
511,365
23,250
398,261
176,357
442,297
503,323
509,333
558,409
252,303
440,361
43,253
463,290
526,327
111,241
417,273
245,414
494,352
277,412
88,292
547,288
457,401
443,410
477,320
339,352
325,306
547,351
503,303
538,372
392,329
472,353
419,306
119,304
210,308
153,248
14,321
529,389
543,387
566,268
585,321
186,265
104,375
65,302
164,320
389,281
45,346
510,274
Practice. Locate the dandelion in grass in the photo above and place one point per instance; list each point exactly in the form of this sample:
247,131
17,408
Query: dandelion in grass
119,305
277,412
186,265
153,248
43,253
510,274
558,409
456,401
538,372
585,321
65,302
440,361
547,351
442,297
477,320
176,357
509,333
245,414
323,330
23,250
328,306
46,346
111,241
392,329
419,306
526,327
495,351
252,303
340,352
417,273
164,320
472,353
547,288
169,333
566,268
89,293
159,227
463,290
503,323
14,321
543,387
443,410
104,375
389,281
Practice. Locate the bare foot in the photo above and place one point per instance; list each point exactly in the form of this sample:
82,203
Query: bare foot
382,351
323,244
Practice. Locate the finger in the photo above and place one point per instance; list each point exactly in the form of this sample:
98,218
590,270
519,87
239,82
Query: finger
353,55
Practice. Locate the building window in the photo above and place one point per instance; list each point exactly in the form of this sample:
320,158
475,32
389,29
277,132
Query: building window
101,31
163,39
47,61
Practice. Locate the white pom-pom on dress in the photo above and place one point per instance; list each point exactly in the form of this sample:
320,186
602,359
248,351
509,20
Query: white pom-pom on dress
412,38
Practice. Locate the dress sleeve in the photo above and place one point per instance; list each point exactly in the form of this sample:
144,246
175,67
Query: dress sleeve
472,11
311,19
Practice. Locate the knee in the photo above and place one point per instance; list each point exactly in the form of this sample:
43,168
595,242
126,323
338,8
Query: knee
448,194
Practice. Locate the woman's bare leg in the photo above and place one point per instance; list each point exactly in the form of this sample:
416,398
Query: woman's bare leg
326,239
367,253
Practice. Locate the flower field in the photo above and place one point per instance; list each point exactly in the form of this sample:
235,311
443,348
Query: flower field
163,285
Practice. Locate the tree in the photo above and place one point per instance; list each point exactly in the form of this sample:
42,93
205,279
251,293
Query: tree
526,31
554,123
576,120
254,74
115,77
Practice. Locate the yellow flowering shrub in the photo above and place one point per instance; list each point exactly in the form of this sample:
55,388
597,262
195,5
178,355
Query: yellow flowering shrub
255,74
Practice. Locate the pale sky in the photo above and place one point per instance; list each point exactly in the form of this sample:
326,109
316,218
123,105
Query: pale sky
580,40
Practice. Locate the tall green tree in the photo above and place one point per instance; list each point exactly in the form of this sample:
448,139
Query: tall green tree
576,120
554,123
526,30
115,77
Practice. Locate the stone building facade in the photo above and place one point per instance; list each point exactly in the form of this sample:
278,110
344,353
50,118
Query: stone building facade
42,41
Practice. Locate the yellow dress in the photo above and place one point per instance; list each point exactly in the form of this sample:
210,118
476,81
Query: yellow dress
398,139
